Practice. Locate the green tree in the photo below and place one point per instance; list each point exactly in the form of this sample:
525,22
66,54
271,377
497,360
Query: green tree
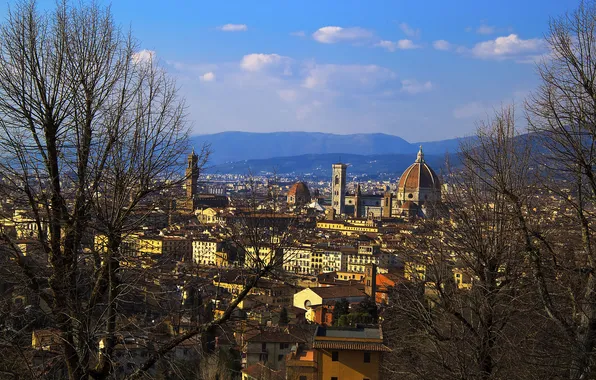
369,307
341,307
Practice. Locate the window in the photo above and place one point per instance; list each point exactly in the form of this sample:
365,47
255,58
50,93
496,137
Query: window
302,377
367,357
334,378
284,345
334,356
263,346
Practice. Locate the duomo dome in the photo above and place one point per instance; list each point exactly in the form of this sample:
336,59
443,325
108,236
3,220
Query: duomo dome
419,183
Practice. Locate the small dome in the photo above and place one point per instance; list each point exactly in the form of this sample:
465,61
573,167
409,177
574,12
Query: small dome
298,193
419,175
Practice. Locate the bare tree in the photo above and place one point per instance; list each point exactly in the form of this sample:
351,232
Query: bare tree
467,317
89,131
562,111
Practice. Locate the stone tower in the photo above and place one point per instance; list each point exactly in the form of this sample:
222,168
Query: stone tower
387,204
338,188
192,176
370,280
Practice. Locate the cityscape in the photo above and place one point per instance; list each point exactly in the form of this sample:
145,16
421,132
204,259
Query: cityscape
280,226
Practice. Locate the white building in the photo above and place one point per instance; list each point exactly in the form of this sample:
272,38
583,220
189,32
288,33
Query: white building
205,251
298,260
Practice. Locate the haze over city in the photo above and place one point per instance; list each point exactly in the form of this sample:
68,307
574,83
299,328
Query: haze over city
421,70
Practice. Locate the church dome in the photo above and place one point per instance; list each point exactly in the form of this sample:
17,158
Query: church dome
298,193
419,175
419,183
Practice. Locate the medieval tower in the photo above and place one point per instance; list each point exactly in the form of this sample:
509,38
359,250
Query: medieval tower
192,178
338,187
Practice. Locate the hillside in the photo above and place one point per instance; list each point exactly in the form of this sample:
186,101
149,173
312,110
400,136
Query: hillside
228,147
319,165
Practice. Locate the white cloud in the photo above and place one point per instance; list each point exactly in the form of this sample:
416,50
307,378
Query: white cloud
409,31
442,45
207,77
317,97
144,56
257,62
346,77
299,33
334,34
508,47
397,45
287,95
412,86
233,28
485,29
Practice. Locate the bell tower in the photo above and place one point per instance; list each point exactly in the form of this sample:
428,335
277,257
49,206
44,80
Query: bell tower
338,188
192,176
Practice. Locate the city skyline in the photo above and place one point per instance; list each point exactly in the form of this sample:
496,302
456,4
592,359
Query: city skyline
419,71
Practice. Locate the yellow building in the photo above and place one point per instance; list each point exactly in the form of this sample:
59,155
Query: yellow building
462,278
340,353
210,216
256,257
347,228
414,271
171,247
349,353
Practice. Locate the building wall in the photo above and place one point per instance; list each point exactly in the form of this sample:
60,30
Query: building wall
208,216
345,227
332,261
272,354
298,260
306,295
204,252
258,256
350,365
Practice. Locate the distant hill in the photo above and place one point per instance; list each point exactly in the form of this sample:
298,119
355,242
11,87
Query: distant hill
385,165
228,147
319,165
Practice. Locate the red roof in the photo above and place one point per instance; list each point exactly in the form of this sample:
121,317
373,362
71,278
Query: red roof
418,175
299,189
352,346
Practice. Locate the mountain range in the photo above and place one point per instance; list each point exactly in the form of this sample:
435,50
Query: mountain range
231,147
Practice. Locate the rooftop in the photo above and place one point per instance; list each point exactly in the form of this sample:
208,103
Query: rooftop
350,332
350,338
339,291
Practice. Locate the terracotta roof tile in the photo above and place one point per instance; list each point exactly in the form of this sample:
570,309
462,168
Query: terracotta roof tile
352,346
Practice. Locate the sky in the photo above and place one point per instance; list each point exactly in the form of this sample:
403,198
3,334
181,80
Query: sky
422,70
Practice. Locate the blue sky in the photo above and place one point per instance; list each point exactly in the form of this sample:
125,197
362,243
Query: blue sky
422,70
